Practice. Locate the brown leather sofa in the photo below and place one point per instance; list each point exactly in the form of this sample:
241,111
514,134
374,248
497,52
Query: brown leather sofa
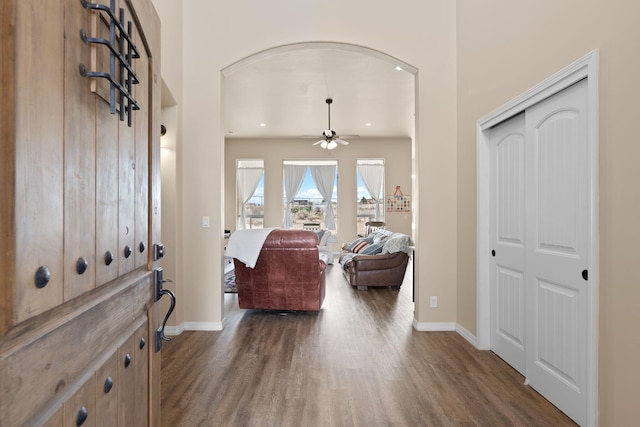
378,270
289,274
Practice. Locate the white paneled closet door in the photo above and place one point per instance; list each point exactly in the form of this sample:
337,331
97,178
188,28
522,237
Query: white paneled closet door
558,218
540,225
507,146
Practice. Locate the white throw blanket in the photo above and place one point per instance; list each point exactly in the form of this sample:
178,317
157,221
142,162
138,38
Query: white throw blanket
245,245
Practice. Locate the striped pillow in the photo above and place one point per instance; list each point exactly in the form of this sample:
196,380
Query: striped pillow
359,247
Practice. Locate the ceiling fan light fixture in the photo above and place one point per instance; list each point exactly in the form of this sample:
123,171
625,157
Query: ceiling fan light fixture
330,139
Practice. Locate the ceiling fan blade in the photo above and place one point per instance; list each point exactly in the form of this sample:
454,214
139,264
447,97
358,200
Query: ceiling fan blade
341,141
319,142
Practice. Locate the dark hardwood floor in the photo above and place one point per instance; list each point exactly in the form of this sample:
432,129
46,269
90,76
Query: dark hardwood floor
358,362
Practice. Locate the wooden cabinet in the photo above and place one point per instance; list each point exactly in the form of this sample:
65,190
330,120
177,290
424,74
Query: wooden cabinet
79,215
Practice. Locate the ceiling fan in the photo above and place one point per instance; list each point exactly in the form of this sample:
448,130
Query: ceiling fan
330,139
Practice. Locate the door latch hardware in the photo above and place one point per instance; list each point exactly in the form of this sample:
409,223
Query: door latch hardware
158,280
158,251
160,336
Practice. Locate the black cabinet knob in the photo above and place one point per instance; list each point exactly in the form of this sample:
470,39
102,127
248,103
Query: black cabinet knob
493,252
82,416
141,247
108,385
81,265
585,274
127,251
127,360
108,257
142,343
43,276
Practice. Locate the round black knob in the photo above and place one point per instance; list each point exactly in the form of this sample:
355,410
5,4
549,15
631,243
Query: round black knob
493,252
142,343
127,251
141,247
82,416
108,385
127,360
43,275
108,257
81,265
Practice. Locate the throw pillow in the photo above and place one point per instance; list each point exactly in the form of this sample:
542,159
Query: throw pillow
360,246
372,249
398,243
355,242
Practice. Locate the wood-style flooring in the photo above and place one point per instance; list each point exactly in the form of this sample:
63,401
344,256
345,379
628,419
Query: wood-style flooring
358,362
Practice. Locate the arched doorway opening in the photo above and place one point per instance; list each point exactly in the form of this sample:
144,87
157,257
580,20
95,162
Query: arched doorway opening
284,89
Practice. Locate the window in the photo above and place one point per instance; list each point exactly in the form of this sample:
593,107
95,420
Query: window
370,206
310,194
250,193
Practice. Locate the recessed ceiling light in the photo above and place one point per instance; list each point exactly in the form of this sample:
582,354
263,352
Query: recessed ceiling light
263,124
398,68
367,124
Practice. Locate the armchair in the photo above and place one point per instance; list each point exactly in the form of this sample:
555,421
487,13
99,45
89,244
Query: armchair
288,275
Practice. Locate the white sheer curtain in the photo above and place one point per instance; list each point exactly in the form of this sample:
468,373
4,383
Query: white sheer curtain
247,181
293,177
373,179
324,177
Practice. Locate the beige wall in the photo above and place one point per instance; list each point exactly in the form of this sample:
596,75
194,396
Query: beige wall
396,153
171,152
216,35
470,61
506,47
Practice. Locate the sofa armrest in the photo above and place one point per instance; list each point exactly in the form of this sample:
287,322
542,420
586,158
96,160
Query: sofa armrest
377,262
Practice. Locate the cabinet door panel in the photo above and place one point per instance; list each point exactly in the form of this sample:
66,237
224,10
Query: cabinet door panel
82,406
79,158
108,388
126,204
38,145
128,379
107,163
142,160
107,247
142,351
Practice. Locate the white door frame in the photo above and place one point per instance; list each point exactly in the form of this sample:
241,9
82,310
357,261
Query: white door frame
585,67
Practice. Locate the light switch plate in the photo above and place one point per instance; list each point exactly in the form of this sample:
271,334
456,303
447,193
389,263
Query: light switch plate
205,222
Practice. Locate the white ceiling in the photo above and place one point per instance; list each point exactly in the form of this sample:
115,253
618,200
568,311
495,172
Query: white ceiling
287,90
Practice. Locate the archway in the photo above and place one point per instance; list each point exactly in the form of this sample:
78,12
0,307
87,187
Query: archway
299,59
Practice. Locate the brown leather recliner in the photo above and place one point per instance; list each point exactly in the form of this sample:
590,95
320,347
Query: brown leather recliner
289,274
363,271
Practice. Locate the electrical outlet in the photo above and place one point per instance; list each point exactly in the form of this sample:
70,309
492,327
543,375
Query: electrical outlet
433,302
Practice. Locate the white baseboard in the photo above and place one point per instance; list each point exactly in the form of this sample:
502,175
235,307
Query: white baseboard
193,326
446,326
433,326
173,330
467,335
